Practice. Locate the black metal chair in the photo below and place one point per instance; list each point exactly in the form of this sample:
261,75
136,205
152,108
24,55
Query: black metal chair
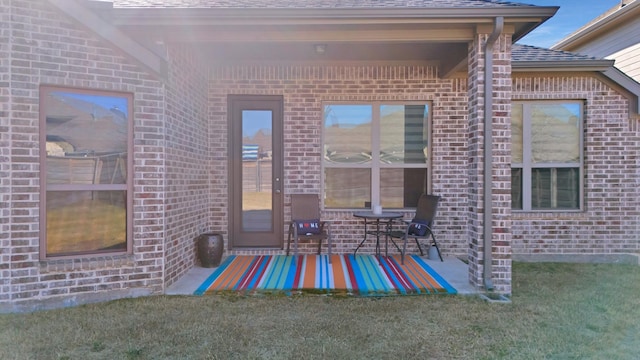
305,211
421,226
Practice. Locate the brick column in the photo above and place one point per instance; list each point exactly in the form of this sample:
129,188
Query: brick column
501,158
5,151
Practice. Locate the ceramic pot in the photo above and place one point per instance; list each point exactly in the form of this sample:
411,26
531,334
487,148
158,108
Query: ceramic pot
210,248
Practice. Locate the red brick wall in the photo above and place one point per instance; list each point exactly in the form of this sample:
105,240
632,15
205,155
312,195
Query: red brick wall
305,88
41,46
187,160
5,153
610,222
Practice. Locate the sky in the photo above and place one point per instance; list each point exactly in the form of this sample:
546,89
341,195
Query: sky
572,15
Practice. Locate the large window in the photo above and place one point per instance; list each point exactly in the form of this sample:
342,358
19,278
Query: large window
85,170
546,156
375,154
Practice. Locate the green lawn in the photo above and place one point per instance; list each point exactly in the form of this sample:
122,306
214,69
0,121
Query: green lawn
559,311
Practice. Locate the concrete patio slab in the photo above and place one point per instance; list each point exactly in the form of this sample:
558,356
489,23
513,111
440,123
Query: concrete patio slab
452,269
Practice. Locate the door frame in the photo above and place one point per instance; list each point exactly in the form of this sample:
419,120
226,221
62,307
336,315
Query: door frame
235,105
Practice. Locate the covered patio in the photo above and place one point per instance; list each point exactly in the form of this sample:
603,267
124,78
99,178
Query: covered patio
309,61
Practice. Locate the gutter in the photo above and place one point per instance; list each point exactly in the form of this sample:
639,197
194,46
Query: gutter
562,65
488,153
162,15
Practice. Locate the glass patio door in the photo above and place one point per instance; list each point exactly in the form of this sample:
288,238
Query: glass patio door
256,171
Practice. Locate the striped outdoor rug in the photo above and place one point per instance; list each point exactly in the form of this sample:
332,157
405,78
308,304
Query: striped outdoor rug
358,275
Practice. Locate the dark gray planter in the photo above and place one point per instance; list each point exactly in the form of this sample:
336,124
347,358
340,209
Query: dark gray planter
210,248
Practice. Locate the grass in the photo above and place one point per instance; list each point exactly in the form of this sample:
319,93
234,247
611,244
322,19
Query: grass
558,311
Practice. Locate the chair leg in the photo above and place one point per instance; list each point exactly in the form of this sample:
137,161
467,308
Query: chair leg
289,241
433,237
419,247
404,249
329,244
295,246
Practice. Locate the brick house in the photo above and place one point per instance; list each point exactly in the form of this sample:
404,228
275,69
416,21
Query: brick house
123,124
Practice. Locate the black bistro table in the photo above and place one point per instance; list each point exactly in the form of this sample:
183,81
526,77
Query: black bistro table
377,225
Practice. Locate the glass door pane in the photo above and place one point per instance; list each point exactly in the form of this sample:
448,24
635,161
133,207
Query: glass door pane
257,170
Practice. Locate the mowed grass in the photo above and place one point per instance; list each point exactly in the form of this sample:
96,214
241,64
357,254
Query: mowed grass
558,311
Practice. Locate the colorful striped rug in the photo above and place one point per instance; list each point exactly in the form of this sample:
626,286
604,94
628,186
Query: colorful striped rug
348,274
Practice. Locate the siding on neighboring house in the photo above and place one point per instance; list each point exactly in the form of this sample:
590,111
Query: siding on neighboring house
628,60
621,45
613,41
615,35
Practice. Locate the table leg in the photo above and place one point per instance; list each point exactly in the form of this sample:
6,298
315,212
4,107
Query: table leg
378,238
363,240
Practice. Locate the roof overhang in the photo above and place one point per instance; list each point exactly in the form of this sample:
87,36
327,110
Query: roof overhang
438,35
441,21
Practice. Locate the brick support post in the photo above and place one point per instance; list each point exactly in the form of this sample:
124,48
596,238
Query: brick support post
501,168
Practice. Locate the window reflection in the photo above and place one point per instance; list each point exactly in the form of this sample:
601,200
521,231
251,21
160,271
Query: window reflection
86,170
400,188
347,133
555,133
403,134
383,145
257,170
516,133
347,188
86,140
80,222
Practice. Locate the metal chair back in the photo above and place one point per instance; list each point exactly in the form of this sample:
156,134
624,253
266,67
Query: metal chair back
427,208
305,206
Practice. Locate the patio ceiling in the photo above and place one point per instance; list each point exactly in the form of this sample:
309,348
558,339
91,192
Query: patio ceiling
438,35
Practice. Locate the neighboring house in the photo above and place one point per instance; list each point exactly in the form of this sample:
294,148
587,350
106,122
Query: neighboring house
124,127
614,35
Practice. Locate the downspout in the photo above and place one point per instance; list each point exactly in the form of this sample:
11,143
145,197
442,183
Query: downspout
488,153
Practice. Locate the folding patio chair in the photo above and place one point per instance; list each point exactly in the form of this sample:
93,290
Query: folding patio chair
306,222
421,226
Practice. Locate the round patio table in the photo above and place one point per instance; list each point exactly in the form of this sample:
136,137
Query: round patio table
374,220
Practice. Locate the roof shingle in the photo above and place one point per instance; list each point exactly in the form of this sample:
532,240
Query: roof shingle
533,53
314,4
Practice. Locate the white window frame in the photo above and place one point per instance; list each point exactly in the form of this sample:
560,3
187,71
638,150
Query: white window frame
527,165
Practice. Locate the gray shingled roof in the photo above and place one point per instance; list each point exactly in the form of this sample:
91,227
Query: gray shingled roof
533,53
315,4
